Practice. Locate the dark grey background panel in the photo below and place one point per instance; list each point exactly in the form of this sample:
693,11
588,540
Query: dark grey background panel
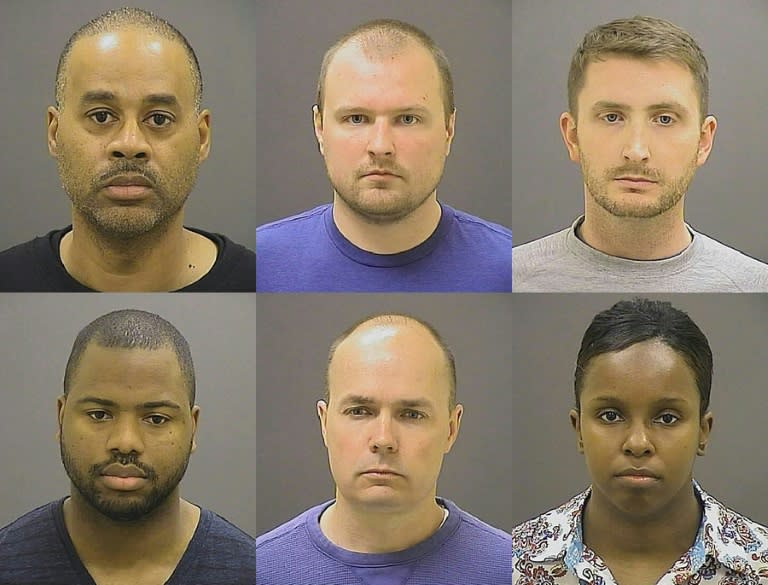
36,337
727,197
294,334
223,35
291,38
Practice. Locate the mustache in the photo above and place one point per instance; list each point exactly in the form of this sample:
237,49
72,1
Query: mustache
638,170
127,168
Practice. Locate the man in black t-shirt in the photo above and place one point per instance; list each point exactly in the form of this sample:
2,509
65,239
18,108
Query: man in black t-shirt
127,426
128,135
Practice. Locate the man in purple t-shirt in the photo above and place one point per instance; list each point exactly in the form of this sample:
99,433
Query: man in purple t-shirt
388,418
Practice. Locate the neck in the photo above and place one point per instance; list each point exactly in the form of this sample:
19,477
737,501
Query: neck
166,259
379,530
102,541
387,238
666,535
652,238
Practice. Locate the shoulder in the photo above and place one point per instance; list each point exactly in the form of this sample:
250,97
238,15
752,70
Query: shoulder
32,266
547,536
287,536
478,530
747,273
539,258
233,271
491,230
306,221
734,536
30,524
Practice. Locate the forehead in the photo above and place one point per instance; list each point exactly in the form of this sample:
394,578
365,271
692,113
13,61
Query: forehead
128,374
638,82
640,374
131,63
389,362
406,76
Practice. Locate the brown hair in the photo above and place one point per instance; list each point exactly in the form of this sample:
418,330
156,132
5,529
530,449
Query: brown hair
642,37
382,37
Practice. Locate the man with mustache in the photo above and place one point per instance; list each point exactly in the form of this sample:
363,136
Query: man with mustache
384,122
127,424
388,418
637,124
128,135
641,417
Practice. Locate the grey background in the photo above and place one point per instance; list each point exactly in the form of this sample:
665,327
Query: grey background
291,38
295,332
33,34
544,340
37,335
727,197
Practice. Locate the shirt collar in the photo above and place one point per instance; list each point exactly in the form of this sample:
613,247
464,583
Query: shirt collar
723,536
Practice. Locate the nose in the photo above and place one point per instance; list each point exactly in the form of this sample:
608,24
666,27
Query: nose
380,141
638,442
636,148
383,435
125,436
129,142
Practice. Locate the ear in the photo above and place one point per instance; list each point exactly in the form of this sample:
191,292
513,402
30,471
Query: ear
204,131
52,123
570,135
705,427
706,139
317,122
576,424
450,129
322,414
60,402
195,413
454,424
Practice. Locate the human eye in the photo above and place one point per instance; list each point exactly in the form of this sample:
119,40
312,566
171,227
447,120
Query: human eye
101,117
159,120
610,117
665,119
98,415
355,119
609,416
409,119
357,411
157,419
413,415
667,418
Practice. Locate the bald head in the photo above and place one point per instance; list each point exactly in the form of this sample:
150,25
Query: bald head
391,342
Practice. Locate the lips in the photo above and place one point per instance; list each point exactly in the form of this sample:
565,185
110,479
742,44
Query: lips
638,472
129,181
117,470
380,471
379,173
635,179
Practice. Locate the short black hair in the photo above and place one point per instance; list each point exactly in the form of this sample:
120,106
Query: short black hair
132,329
629,322
403,319
123,18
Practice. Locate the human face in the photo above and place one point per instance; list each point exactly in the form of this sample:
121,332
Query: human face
126,414
128,115
383,131
388,424
639,137
640,428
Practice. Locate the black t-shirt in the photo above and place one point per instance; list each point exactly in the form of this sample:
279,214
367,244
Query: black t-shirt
36,550
36,266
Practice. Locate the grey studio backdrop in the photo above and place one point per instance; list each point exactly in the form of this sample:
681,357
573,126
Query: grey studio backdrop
37,334
295,332
291,38
33,34
544,340
727,197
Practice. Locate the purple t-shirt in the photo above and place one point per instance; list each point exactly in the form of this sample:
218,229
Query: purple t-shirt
464,551
308,253
36,550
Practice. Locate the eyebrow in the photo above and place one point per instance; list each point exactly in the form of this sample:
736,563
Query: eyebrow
144,406
100,95
367,401
414,108
668,105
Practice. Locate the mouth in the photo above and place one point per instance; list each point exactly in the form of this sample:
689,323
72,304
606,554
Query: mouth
128,187
380,472
377,173
635,179
123,478
638,476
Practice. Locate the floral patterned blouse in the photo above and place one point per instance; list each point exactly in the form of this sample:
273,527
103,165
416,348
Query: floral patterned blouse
729,549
